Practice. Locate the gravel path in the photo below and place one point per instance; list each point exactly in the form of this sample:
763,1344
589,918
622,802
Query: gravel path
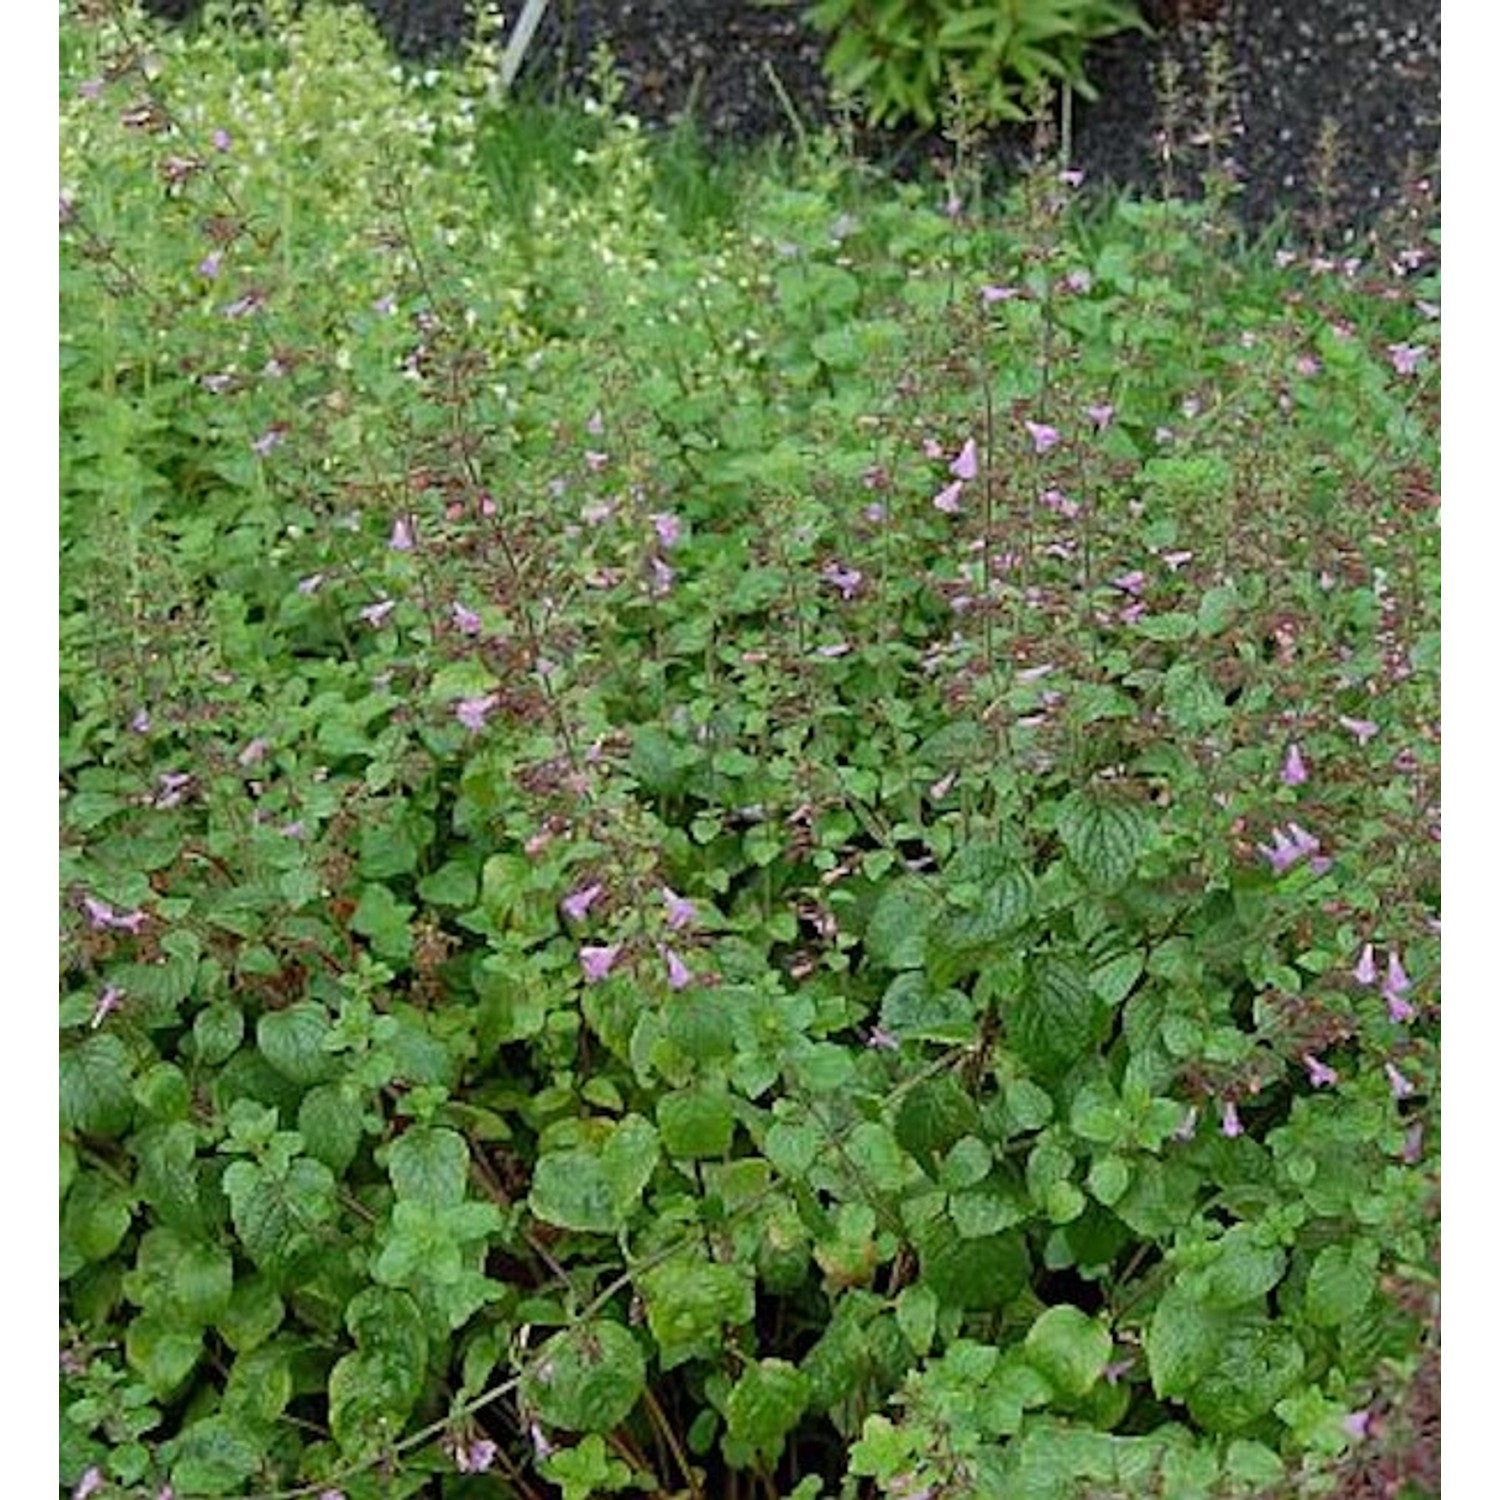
1372,66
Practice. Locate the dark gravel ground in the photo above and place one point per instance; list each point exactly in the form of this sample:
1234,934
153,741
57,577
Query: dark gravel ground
1371,66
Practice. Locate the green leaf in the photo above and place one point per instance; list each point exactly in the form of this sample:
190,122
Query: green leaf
695,1122
94,1086
1237,1271
916,1316
913,1010
585,1469
1108,1178
896,937
331,1125
1104,835
275,1211
161,1352
370,1397
385,921
1113,980
292,1042
1341,1283
259,1386
1069,1348
766,1403
1056,1019
167,1174
254,1313
185,1280
587,1378
1253,1368
596,1189
96,1218
218,1030
1182,1342
216,1455
429,1165
690,1302
979,1275
933,1116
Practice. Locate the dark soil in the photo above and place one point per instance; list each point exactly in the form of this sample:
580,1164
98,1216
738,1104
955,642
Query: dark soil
1369,66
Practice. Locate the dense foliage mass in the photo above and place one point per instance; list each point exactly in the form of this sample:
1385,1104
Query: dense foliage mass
724,837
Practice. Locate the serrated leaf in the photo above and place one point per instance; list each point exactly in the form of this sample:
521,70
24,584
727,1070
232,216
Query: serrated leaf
216,1455
275,1212
1113,980
978,1275
429,1165
916,1316
695,1123
96,1217
370,1397
896,937
914,1009
1257,1363
596,1190
1240,1270
94,1087
587,1378
161,1352
331,1125
1069,1348
691,1302
292,1042
253,1314
933,1116
167,1173
765,1404
1340,1284
1104,835
1056,1019
218,1030
1182,1342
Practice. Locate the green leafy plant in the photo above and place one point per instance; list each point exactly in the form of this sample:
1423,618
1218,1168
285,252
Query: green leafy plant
904,59
759,853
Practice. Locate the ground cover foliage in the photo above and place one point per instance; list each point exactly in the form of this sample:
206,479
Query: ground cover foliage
740,834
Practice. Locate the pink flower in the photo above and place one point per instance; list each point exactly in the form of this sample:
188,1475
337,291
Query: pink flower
1189,1125
272,438
1405,357
141,721
1055,500
668,528
1070,177
598,961
679,976
1293,768
311,584
1401,1086
576,905
1362,729
998,293
472,712
1101,415
1230,1119
882,1040
401,538
1319,1073
90,1484
109,1001
208,267
1395,990
1043,437
1411,1146
1357,1424
221,140
375,614
1364,970
254,752
662,576
680,911
466,620
947,500
845,580
966,465
476,1458
1078,281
